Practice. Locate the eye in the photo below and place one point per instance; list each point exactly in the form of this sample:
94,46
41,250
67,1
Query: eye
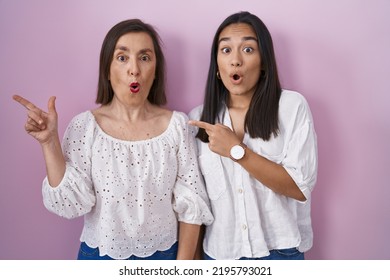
122,58
145,57
248,49
225,50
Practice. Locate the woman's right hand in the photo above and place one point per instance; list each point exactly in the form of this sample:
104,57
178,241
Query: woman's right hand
41,125
44,127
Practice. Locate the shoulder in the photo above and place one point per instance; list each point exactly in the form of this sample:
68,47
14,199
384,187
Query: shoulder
290,97
81,123
196,113
293,106
82,119
180,117
162,112
161,115
292,101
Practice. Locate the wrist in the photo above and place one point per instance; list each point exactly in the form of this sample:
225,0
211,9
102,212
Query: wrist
52,142
237,152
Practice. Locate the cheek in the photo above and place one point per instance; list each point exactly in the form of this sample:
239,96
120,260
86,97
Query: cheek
114,72
223,71
150,73
220,64
255,69
255,72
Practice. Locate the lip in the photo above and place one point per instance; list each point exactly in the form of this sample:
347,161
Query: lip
134,87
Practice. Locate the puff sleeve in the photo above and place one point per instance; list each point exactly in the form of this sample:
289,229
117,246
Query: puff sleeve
74,196
190,200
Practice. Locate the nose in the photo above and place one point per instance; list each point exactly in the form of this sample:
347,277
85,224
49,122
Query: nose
133,68
236,59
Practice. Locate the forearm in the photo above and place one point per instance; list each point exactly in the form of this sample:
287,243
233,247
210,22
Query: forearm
55,162
188,239
199,246
271,174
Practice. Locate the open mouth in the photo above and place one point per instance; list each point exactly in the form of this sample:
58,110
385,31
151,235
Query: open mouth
134,87
236,77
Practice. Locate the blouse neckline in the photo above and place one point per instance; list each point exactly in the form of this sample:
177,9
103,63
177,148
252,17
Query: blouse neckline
143,141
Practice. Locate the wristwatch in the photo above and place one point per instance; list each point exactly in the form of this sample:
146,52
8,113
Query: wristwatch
237,152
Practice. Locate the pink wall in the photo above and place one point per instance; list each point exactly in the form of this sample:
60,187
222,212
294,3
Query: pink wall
335,52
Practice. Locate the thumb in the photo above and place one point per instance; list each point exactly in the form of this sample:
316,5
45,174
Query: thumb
51,105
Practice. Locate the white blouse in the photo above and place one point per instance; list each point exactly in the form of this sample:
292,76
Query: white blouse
251,219
132,193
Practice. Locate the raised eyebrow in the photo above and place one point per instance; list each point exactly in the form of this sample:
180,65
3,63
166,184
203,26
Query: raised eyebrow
126,49
122,48
246,38
223,39
146,50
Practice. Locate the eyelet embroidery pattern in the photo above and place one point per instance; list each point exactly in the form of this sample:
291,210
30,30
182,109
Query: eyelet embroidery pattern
131,192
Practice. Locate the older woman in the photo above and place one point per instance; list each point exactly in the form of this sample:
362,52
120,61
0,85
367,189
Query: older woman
129,166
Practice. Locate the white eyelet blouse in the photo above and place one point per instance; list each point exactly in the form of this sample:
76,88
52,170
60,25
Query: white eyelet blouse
132,193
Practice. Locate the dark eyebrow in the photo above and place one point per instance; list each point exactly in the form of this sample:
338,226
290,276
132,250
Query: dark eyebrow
123,48
246,38
146,50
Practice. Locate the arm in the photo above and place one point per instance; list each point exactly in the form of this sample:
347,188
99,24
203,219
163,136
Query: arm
190,200
199,247
77,192
43,127
55,162
269,173
188,239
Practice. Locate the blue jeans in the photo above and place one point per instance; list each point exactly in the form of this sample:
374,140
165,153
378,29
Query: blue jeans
88,253
279,254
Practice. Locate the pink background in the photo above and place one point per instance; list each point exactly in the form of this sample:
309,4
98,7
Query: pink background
335,52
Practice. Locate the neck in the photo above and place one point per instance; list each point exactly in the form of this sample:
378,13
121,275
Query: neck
240,102
130,112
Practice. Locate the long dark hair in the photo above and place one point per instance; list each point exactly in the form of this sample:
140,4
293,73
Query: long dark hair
105,92
261,120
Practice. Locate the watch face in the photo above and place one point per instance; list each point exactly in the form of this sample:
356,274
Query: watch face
237,152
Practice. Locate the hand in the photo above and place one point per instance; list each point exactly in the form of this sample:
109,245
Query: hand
221,137
40,125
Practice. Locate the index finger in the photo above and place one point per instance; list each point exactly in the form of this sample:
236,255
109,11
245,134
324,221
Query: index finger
201,124
27,104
